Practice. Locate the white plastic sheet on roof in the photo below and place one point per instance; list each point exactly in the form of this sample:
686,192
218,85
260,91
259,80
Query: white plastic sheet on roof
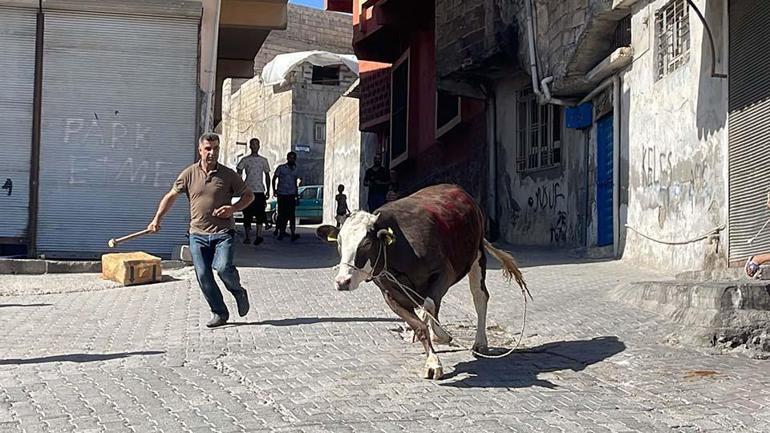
275,72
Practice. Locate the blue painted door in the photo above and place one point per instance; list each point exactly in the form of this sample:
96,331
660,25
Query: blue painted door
604,181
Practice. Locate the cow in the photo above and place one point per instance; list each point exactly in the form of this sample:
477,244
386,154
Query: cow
427,242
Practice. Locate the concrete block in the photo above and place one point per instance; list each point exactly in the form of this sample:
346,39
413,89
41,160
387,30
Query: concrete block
22,266
712,313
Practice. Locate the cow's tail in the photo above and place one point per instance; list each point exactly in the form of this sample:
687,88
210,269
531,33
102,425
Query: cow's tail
510,268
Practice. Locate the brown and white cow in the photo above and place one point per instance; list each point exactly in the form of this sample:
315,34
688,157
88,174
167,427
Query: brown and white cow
428,241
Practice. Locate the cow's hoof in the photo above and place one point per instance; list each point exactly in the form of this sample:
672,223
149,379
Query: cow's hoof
441,339
480,348
434,373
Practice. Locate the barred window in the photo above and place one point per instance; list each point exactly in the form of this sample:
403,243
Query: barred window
672,36
539,134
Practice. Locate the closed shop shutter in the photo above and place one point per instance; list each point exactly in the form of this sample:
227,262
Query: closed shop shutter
17,80
118,125
749,130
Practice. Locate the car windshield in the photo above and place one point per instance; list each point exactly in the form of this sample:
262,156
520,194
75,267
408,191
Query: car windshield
309,193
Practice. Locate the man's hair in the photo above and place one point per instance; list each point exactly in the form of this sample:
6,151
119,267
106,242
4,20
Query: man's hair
253,141
340,186
294,154
208,136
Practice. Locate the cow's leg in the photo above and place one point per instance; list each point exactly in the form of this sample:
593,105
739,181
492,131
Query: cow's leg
433,368
437,334
477,277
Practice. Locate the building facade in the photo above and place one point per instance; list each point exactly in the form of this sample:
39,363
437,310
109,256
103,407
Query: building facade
426,135
286,117
629,128
102,104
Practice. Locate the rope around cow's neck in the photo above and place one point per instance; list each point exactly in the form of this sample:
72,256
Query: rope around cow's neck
408,291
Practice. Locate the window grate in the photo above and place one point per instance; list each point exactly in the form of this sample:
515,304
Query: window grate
672,31
539,134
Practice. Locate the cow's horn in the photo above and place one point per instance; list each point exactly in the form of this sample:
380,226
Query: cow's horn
387,235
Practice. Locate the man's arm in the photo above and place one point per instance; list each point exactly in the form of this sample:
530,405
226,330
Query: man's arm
267,184
275,180
227,211
165,205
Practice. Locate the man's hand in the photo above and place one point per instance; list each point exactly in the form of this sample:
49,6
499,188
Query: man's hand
154,226
224,212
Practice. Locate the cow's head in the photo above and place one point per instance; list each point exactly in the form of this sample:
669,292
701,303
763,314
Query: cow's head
359,243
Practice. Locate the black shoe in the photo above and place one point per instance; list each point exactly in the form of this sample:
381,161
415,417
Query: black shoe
216,320
247,241
281,236
294,237
243,303
258,240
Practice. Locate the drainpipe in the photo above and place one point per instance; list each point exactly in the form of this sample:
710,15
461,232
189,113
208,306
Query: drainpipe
615,82
544,95
37,110
616,165
209,113
532,56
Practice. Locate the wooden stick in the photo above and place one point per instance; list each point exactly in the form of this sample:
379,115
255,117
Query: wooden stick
115,242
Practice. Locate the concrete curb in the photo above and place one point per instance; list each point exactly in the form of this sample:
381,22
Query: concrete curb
40,267
712,313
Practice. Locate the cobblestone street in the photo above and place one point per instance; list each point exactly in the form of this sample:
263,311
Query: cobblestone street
80,354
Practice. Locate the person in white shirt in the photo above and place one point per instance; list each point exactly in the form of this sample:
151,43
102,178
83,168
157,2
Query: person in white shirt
258,179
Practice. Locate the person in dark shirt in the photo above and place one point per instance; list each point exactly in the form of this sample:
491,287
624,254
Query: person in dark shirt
342,206
377,179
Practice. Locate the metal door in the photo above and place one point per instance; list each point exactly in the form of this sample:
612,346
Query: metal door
604,181
118,125
17,81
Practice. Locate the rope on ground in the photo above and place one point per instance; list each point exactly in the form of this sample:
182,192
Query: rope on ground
713,231
409,292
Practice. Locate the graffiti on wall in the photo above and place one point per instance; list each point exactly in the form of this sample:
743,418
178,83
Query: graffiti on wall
134,166
8,186
546,197
670,186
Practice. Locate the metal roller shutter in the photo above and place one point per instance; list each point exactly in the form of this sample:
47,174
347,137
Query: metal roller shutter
17,81
749,131
118,125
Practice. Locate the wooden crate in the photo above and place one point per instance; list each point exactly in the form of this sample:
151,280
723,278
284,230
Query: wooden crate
131,268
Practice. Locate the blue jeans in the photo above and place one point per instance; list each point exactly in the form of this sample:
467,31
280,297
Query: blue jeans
215,252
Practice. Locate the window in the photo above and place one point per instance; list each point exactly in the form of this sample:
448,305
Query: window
326,75
447,112
672,36
319,132
309,194
539,133
399,110
622,36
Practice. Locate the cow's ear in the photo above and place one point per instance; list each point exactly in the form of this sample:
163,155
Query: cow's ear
327,233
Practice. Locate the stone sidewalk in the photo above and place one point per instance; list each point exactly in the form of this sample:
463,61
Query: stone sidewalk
79,354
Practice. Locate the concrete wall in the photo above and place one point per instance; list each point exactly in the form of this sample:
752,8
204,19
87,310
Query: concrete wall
310,103
282,117
543,207
676,136
348,153
253,111
307,29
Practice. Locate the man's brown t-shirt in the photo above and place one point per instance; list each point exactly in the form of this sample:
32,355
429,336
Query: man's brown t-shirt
207,192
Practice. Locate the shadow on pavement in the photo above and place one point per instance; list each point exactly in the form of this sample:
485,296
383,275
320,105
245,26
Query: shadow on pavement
308,252
25,305
532,256
77,357
313,321
521,368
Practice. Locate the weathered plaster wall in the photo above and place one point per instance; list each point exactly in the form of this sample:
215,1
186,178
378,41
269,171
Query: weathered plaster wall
310,104
545,207
677,141
253,111
348,153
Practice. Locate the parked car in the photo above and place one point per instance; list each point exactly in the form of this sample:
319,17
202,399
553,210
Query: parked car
310,205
